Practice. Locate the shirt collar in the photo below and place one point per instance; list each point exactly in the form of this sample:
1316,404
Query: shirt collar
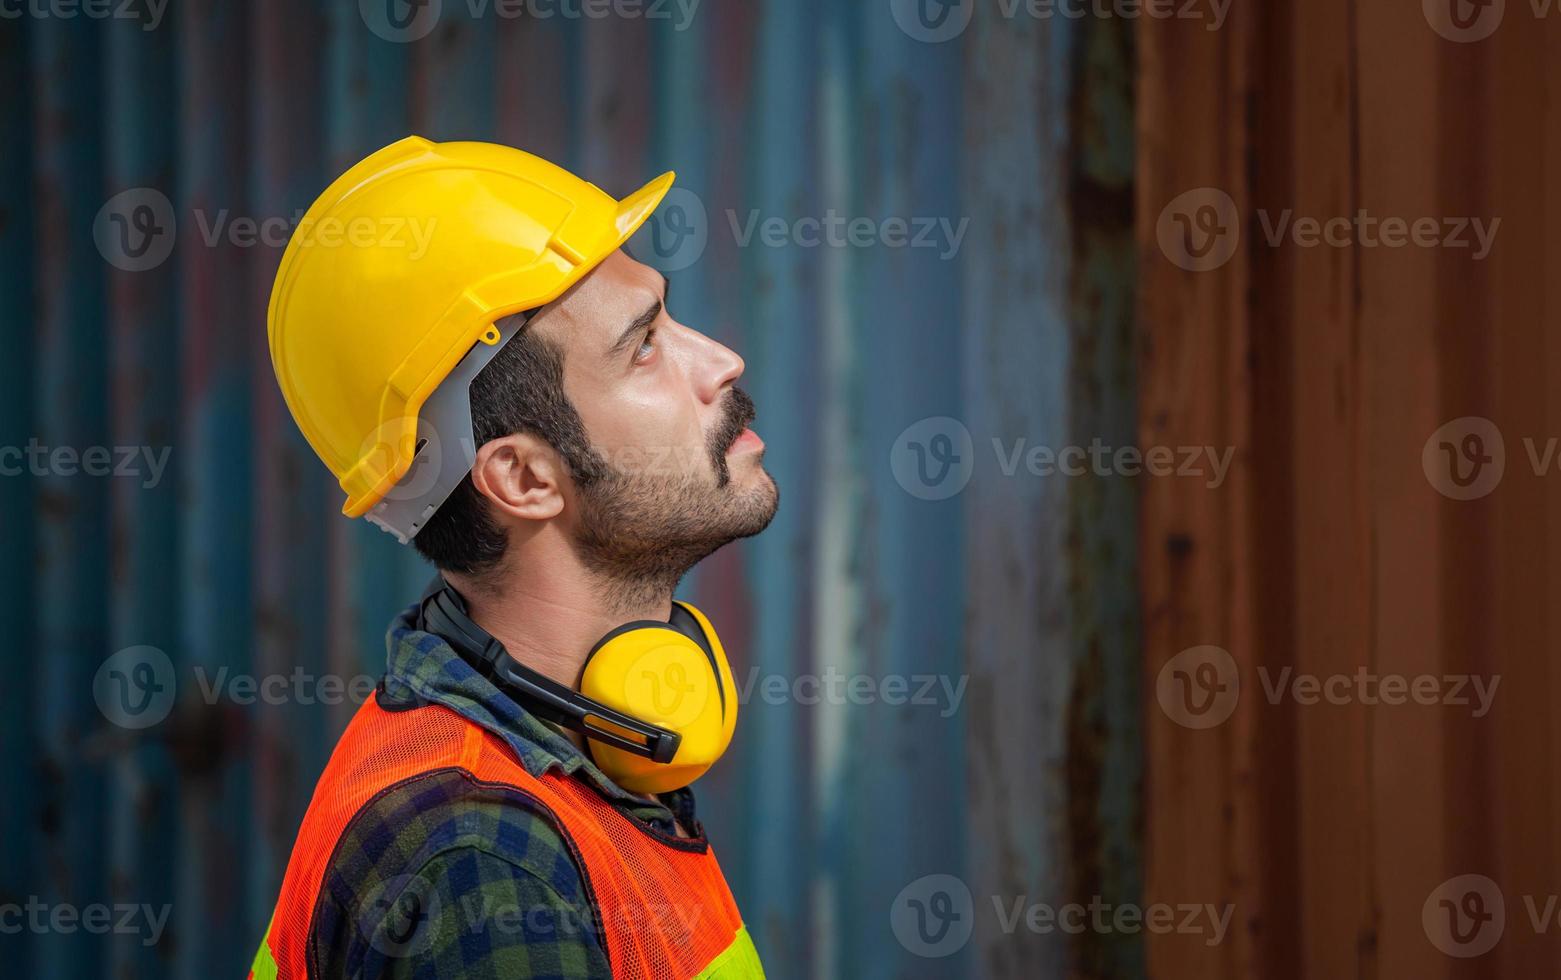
424,669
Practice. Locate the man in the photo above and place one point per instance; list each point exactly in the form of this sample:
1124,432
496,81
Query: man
510,392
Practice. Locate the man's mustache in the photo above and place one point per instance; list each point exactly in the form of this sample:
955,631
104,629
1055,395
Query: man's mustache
739,413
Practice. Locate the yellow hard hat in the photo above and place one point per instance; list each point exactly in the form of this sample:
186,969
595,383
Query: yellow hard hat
401,267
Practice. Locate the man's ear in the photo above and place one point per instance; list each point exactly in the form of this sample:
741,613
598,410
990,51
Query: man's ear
521,475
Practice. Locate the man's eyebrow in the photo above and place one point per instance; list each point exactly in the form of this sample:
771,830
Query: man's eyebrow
639,325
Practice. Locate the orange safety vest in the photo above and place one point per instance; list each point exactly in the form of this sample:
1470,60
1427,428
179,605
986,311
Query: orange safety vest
665,910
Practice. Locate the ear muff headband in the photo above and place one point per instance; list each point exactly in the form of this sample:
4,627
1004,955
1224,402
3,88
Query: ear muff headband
723,667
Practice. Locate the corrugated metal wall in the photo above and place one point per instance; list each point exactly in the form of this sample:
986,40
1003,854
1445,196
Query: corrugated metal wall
1391,514
1017,592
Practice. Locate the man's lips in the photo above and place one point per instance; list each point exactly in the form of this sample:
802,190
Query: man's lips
746,441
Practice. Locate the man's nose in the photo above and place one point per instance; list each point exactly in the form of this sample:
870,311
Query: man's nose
720,367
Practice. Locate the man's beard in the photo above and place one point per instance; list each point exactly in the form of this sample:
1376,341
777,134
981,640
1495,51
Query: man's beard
643,531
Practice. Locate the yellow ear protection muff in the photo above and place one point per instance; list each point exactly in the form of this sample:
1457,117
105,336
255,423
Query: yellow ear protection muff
657,704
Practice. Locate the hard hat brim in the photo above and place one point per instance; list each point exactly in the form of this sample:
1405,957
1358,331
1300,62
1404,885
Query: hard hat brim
634,209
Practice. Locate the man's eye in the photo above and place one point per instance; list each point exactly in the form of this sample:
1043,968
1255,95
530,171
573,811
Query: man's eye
647,347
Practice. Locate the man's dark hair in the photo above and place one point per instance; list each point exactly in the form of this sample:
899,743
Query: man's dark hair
520,390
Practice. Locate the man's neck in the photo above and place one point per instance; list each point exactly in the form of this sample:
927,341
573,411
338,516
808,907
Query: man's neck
550,621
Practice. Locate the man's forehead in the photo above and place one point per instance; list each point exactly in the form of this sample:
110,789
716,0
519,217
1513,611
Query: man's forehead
596,308
620,270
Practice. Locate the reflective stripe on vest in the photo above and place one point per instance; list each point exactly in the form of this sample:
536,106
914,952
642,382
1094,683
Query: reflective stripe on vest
664,908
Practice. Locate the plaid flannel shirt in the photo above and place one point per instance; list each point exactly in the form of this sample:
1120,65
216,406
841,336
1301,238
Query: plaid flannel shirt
442,876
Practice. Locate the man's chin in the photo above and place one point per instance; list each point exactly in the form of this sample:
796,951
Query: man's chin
748,469
764,495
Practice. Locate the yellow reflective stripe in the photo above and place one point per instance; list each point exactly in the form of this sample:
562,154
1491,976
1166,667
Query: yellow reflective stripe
264,967
739,961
